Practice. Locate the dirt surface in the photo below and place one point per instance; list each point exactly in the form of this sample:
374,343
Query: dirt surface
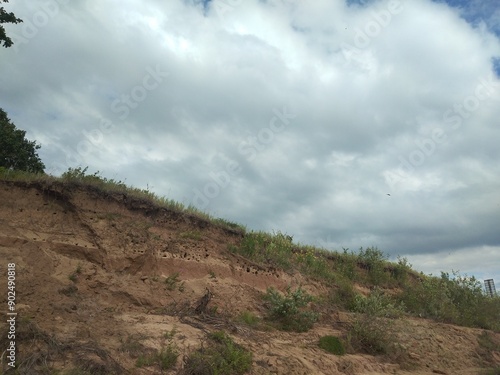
91,270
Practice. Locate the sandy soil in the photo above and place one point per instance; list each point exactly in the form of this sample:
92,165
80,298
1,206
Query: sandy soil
120,251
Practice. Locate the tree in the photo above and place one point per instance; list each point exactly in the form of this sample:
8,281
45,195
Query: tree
16,152
6,18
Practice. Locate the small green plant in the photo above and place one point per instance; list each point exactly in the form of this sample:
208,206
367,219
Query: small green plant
74,275
165,358
343,294
212,274
169,335
373,261
332,345
377,304
290,311
369,335
219,356
172,282
249,318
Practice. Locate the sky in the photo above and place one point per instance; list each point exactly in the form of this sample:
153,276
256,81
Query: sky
344,124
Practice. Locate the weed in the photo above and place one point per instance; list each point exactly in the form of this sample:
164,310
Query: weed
165,358
377,304
457,300
212,274
373,260
133,345
249,318
228,224
488,344
343,295
221,356
172,282
332,345
369,335
169,335
401,270
290,311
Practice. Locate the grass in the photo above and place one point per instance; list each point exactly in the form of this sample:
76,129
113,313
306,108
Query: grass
79,177
488,344
452,298
74,275
191,235
249,318
219,355
369,335
332,345
165,358
173,282
377,304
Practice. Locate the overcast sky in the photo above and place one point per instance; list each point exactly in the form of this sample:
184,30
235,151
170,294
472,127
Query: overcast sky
289,115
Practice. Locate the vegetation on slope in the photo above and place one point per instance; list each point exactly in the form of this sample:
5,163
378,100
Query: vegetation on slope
457,299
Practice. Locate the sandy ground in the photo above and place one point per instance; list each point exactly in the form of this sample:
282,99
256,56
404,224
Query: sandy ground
120,251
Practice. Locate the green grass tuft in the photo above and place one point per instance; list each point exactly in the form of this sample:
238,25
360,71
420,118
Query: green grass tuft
332,345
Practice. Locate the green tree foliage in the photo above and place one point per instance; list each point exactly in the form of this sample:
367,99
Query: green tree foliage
6,17
16,152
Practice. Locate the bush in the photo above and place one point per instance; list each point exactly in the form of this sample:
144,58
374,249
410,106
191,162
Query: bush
275,250
344,295
370,336
220,357
373,260
290,311
377,304
457,300
332,345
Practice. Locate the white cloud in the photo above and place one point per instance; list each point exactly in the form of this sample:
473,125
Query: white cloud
385,100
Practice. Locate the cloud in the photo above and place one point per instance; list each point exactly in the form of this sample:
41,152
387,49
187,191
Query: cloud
281,115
